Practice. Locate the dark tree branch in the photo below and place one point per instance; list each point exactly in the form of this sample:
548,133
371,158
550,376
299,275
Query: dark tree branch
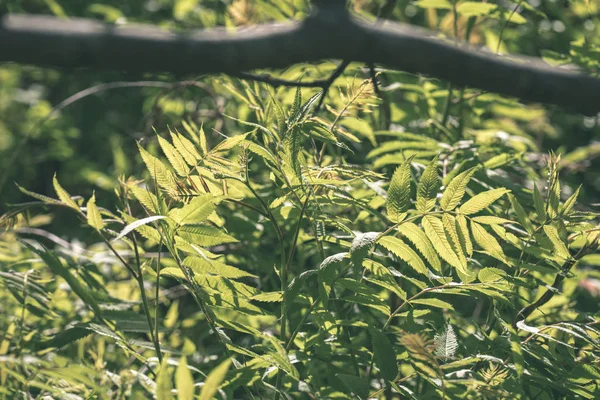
328,33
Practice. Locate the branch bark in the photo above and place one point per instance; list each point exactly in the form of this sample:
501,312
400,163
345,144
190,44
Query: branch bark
329,33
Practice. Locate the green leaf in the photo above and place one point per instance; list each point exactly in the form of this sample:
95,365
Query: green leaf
94,219
419,239
491,220
463,233
134,225
159,172
147,199
458,246
176,160
404,252
559,246
184,382
186,148
570,202
41,197
355,384
63,195
428,187
487,242
436,4
538,202
214,379
446,343
163,382
522,216
195,211
490,275
482,200
204,235
434,229
456,190
361,245
383,354
436,303
398,199
475,9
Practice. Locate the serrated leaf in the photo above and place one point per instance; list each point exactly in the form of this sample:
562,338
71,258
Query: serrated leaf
214,379
434,229
463,234
559,246
398,196
203,266
41,197
429,186
490,275
94,219
487,242
228,143
404,252
436,303
455,191
186,148
570,202
383,354
147,199
204,235
419,239
140,222
159,172
163,382
522,216
184,382
491,220
482,200
195,211
177,161
538,203
63,195
446,343
451,230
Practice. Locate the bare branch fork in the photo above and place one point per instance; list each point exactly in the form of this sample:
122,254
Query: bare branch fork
330,32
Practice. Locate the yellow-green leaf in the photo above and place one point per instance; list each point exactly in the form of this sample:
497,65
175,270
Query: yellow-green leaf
434,229
214,379
456,190
404,252
163,382
94,219
570,202
463,232
63,195
522,216
195,211
482,200
159,172
487,242
559,246
538,202
398,196
491,220
184,382
428,187
176,160
419,239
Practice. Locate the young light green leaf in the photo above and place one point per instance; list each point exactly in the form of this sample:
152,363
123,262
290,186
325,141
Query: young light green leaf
63,195
204,235
214,379
432,302
428,187
147,199
186,148
475,9
176,160
398,199
184,382
129,228
451,230
538,202
490,275
491,220
159,172
570,202
463,234
559,246
404,252
383,354
41,197
487,242
482,200
163,382
456,190
434,229
195,211
419,239
94,219
522,216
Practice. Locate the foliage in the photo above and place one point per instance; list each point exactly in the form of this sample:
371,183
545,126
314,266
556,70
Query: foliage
401,241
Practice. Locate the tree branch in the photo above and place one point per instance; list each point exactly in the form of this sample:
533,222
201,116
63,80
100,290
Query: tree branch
329,33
